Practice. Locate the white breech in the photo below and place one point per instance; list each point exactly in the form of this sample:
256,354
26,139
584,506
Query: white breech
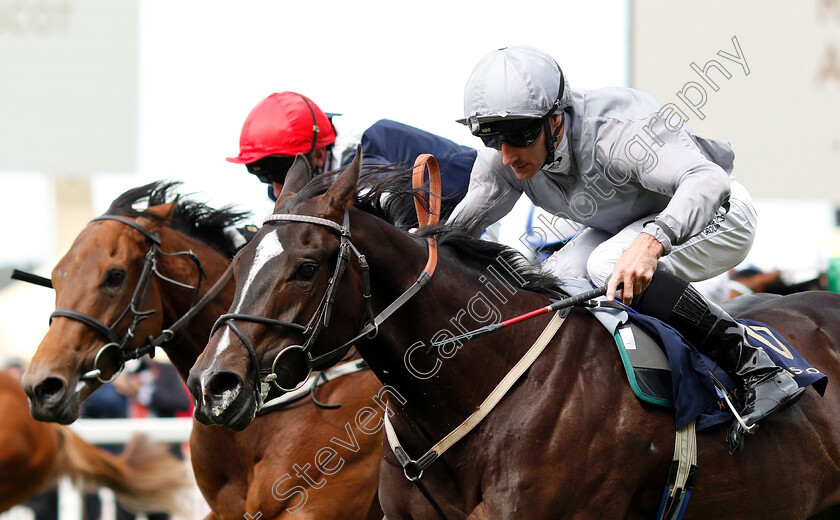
720,246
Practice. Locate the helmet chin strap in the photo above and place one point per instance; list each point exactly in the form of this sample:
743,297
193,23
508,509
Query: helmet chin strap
326,165
315,131
315,128
551,138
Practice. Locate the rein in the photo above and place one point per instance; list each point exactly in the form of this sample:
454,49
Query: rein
413,469
118,345
320,319
166,335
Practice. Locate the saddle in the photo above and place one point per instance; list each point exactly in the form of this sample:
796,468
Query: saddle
663,369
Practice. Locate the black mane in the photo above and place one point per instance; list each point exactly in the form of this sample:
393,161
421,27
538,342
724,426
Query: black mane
479,254
189,217
385,192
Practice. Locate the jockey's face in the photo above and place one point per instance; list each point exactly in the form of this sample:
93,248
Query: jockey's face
277,188
527,161
275,173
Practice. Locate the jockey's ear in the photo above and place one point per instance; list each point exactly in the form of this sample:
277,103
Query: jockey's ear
299,174
341,195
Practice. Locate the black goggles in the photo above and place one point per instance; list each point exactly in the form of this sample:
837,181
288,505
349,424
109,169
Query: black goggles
272,168
518,133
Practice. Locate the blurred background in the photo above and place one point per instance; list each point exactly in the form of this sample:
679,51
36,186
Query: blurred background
98,96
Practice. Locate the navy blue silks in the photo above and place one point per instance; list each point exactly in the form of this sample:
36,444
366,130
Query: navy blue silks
387,142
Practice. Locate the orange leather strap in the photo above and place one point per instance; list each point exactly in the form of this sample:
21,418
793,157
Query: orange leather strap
432,216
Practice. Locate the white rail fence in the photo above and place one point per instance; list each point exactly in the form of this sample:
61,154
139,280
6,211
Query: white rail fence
120,431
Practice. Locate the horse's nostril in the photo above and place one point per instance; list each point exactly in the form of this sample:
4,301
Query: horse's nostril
223,383
50,390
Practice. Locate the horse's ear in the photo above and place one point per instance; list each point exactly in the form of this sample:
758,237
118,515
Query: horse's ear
162,210
299,174
342,193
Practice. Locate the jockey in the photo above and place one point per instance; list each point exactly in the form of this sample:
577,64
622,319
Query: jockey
660,204
286,124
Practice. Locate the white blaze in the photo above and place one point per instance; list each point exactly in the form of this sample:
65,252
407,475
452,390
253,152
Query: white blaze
268,249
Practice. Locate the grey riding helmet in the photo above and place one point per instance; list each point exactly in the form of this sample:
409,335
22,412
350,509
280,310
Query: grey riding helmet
517,82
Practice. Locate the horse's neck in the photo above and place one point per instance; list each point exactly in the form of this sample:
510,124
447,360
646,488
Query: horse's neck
455,301
190,341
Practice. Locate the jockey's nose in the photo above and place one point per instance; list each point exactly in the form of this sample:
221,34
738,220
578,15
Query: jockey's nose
508,153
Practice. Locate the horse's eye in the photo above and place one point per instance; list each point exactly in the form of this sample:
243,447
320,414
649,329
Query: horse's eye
306,271
114,279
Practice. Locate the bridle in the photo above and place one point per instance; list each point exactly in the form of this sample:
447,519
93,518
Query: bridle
320,318
368,323
116,346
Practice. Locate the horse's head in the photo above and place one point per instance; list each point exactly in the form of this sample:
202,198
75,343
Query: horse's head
97,279
109,300
288,279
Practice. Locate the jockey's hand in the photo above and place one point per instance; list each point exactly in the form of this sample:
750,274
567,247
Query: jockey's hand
635,268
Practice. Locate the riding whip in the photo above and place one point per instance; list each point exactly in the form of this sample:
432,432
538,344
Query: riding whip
561,304
23,276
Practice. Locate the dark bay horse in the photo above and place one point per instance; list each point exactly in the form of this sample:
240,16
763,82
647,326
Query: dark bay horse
262,469
570,439
34,454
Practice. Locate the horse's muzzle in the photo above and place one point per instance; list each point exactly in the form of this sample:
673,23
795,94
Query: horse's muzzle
51,399
221,399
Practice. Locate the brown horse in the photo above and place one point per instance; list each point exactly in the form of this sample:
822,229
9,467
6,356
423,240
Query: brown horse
33,455
262,469
570,439
750,280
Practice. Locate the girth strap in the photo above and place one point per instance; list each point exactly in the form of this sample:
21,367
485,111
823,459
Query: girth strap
413,469
681,476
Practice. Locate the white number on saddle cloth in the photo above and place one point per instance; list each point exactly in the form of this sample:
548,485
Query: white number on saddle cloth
627,338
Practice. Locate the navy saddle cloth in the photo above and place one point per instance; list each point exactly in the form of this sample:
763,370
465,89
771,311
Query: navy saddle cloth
694,395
